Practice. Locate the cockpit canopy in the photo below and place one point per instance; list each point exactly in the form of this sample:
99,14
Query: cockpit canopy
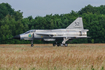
30,31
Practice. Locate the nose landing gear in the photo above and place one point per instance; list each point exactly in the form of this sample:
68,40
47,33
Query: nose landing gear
32,43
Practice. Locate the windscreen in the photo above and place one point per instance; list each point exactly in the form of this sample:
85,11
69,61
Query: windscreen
30,31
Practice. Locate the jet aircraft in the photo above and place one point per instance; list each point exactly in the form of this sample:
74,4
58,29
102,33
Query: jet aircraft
74,31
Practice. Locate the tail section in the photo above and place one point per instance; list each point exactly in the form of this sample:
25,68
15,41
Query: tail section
77,24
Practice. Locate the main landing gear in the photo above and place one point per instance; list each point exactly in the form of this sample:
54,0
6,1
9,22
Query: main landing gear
58,44
63,43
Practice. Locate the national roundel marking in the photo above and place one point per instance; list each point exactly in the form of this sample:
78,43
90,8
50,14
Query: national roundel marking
29,35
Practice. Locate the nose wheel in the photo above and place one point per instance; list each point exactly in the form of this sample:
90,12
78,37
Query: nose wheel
32,43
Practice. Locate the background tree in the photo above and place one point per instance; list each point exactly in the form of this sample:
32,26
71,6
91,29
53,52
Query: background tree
12,23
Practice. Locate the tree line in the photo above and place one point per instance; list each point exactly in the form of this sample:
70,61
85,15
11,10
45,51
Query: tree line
12,23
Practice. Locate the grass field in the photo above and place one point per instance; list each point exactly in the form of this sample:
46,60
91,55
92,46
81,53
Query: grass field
47,57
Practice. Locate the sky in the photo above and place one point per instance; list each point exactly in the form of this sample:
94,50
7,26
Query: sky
46,7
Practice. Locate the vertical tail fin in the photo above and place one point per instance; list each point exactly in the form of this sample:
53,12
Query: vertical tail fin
77,24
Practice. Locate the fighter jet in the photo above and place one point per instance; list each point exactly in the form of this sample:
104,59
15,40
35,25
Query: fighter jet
74,31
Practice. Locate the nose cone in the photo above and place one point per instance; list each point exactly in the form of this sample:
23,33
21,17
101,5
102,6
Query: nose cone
16,37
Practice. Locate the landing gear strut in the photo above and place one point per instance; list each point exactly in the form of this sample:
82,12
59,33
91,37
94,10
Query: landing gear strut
64,42
32,43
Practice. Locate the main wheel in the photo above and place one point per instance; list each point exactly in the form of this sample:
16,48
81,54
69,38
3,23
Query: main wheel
58,44
62,45
66,45
54,44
